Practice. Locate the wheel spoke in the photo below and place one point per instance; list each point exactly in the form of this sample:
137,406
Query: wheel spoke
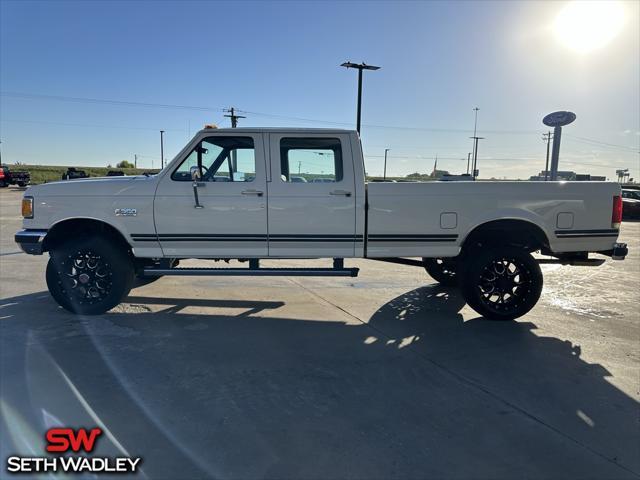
87,276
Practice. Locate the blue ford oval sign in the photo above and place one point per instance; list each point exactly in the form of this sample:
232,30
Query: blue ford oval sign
559,119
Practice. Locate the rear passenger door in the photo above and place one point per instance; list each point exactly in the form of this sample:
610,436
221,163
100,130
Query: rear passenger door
311,196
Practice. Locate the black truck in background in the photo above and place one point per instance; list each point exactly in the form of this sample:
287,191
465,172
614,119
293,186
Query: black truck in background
21,178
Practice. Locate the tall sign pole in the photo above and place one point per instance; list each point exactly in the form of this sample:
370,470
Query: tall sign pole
557,120
547,138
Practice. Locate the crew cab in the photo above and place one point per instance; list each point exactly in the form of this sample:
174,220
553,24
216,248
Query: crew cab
237,194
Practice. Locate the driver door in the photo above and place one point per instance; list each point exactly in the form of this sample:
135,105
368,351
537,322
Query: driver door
232,192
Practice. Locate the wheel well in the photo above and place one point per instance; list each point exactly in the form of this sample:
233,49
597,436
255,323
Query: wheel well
76,227
518,233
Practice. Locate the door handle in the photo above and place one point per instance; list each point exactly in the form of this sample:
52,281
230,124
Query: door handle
259,193
340,192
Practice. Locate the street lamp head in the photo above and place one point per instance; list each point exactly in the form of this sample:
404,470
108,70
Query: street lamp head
361,66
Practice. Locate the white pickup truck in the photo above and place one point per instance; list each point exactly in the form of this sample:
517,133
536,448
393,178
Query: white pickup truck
257,193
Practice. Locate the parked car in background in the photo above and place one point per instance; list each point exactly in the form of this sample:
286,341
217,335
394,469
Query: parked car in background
295,179
21,178
73,173
630,204
115,173
323,180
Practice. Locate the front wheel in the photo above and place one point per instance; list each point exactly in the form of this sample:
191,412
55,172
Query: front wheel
501,284
89,276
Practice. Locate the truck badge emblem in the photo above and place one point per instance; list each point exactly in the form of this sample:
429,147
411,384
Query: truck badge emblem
126,212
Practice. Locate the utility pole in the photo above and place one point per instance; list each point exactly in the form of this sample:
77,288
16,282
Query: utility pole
234,124
299,165
547,138
135,160
360,66
161,149
468,161
385,163
234,118
475,142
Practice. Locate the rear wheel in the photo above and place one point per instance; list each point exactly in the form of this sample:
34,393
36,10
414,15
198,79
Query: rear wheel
442,270
501,284
89,276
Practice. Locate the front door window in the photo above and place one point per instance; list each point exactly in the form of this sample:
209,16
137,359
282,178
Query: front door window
220,159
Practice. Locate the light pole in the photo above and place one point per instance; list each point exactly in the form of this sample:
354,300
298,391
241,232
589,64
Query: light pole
360,66
385,163
161,149
468,161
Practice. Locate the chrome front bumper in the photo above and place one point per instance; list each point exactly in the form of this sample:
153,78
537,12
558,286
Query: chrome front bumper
30,241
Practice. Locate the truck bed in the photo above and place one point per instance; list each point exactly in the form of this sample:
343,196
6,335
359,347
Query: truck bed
404,219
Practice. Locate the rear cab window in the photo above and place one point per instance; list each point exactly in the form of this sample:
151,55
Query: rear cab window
311,160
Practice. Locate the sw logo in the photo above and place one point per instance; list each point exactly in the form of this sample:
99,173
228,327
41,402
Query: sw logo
67,441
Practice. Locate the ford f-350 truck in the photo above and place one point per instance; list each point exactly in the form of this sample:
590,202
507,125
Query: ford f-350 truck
237,194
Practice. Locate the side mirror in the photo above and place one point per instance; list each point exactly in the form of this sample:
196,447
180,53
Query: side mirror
195,173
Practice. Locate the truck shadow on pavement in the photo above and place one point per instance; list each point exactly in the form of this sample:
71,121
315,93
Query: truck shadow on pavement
416,392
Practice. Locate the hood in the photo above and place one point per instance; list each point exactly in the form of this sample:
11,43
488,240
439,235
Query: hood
96,186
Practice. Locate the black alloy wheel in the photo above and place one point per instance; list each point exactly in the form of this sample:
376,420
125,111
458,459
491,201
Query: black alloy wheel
89,276
502,284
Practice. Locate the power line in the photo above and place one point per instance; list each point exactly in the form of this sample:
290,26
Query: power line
600,143
67,124
35,96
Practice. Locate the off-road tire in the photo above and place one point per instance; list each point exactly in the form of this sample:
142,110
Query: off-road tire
442,270
90,275
502,283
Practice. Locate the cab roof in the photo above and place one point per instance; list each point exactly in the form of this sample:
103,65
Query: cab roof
276,130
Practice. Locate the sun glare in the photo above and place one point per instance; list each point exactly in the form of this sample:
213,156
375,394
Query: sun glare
584,26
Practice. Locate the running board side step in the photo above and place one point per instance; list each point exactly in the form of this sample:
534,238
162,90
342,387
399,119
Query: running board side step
255,270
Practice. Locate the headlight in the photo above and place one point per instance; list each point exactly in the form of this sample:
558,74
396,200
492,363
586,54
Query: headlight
27,207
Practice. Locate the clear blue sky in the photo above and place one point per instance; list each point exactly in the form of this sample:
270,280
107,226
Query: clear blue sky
280,60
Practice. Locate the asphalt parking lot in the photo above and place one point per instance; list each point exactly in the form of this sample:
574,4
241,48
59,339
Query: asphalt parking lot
383,376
